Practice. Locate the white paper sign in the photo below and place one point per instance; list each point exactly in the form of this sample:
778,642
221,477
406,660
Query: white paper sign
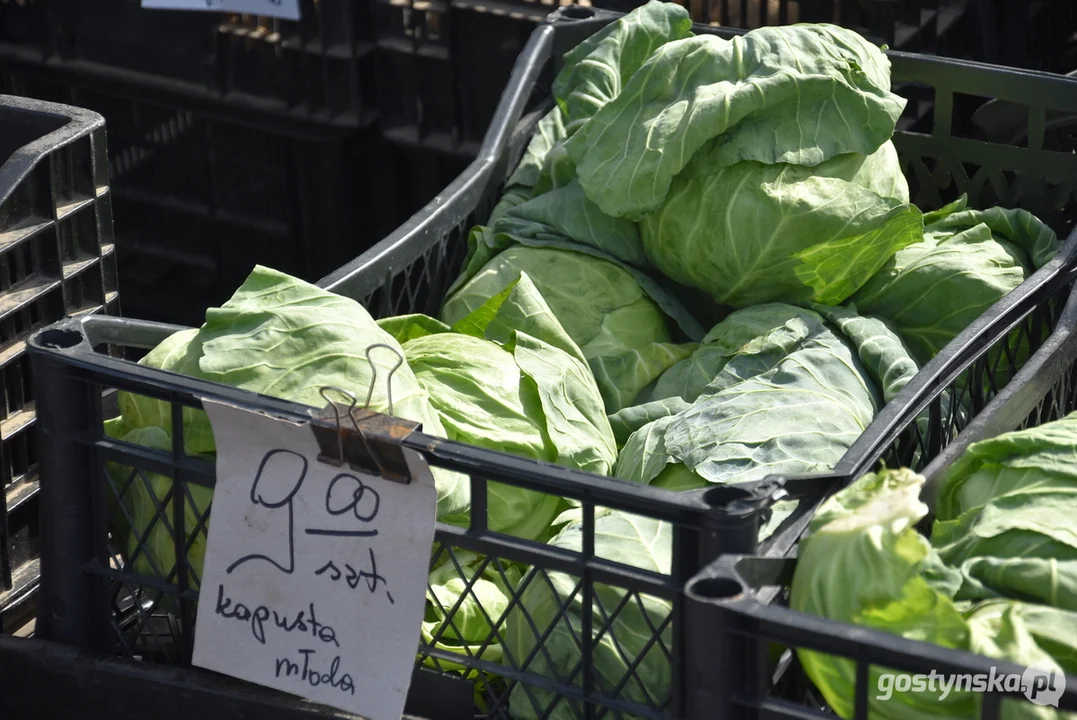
315,576
284,9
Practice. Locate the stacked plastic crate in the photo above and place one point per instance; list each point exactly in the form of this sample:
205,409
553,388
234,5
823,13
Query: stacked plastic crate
232,140
57,258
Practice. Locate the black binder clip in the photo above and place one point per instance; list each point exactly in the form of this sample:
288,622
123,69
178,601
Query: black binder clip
364,440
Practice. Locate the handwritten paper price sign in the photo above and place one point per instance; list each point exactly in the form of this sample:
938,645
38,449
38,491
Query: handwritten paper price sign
315,576
284,9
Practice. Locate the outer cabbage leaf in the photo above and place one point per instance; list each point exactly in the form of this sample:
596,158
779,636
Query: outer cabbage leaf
1035,241
932,290
752,233
565,212
410,327
630,419
863,562
616,316
477,388
595,70
179,353
798,94
520,385
1005,516
619,537
519,188
881,349
787,394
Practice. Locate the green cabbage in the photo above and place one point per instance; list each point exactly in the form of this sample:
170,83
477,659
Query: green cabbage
596,70
966,262
752,233
543,640
771,389
863,562
277,336
507,377
1004,516
623,331
779,95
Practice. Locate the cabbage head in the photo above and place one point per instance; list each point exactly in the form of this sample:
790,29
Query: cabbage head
507,377
863,562
796,95
1004,516
966,261
771,389
753,233
759,168
616,316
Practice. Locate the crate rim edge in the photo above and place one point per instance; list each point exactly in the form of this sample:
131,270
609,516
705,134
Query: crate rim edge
17,166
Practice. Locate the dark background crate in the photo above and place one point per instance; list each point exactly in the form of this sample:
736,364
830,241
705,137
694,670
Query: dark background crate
200,198
340,65
57,258
1035,34
320,67
431,71
741,600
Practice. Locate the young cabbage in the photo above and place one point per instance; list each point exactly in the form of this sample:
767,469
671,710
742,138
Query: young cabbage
507,377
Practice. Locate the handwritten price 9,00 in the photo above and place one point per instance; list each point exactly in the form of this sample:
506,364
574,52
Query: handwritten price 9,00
275,489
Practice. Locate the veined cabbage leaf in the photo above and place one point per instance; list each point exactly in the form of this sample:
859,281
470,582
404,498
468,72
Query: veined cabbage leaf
863,562
507,377
788,393
623,322
752,233
796,95
1004,516
966,261
595,71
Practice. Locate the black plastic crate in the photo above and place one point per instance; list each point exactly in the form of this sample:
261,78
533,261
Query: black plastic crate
56,259
1035,34
318,68
741,597
200,198
443,66
432,74
115,610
